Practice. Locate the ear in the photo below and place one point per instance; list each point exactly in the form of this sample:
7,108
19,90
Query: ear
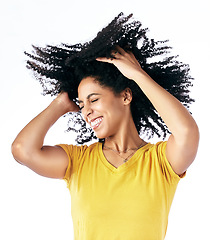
127,96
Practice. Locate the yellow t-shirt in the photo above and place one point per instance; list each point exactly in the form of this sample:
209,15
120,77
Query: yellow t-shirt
131,202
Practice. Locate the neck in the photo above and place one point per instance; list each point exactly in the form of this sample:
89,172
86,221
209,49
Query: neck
126,138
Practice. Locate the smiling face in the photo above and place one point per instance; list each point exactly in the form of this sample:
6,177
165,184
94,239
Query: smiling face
102,109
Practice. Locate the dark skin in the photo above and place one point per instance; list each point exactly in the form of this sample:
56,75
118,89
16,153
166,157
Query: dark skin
182,144
110,117
114,123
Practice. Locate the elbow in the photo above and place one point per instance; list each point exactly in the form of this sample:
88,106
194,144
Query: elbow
191,133
187,133
18,152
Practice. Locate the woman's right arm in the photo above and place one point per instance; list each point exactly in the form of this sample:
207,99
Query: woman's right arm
28,149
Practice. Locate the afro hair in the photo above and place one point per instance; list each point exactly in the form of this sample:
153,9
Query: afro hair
62,67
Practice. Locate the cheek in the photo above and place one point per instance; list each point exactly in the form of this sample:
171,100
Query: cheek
114,115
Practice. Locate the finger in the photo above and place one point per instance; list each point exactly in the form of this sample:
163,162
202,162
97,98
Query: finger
120,50
115,54
124,53
134,58
129,55
104,59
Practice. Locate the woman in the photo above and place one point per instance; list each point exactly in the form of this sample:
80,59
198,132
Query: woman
121,187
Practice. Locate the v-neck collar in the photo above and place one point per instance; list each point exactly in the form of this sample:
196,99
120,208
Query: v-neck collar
124,166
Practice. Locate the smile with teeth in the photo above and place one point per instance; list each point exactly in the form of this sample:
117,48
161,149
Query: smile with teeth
95,123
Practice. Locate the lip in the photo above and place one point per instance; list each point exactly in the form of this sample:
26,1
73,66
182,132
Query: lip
95,122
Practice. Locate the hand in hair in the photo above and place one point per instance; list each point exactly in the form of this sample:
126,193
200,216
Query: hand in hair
61,68
125,61
68,105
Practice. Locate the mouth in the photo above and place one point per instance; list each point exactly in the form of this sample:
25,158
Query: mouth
95,123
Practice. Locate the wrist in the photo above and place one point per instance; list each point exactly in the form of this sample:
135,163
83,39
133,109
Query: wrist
58,107
140,75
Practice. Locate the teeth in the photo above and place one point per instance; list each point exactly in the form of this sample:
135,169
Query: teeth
95,122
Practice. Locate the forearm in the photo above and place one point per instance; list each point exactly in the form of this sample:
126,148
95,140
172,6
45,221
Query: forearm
173,113
31,138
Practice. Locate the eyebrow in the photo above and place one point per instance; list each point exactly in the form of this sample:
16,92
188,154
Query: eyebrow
88,96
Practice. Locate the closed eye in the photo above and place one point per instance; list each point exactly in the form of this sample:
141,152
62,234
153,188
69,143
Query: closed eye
94,100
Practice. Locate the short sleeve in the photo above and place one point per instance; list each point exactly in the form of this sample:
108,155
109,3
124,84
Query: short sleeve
166,167
74,154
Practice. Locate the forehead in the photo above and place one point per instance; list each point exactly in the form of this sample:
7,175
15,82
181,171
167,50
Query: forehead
88,86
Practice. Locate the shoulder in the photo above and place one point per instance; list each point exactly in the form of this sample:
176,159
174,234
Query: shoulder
155,148
158,146
158,151
75,150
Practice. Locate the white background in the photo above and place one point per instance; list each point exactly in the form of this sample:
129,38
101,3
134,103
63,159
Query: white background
34,207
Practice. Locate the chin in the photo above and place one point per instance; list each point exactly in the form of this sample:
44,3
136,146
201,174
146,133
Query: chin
101,135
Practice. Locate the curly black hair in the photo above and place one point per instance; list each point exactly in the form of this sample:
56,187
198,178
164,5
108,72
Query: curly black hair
62,67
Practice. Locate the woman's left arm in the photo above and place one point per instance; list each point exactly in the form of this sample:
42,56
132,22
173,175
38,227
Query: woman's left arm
182,144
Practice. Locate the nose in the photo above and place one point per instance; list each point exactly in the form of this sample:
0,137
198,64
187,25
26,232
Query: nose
87,111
